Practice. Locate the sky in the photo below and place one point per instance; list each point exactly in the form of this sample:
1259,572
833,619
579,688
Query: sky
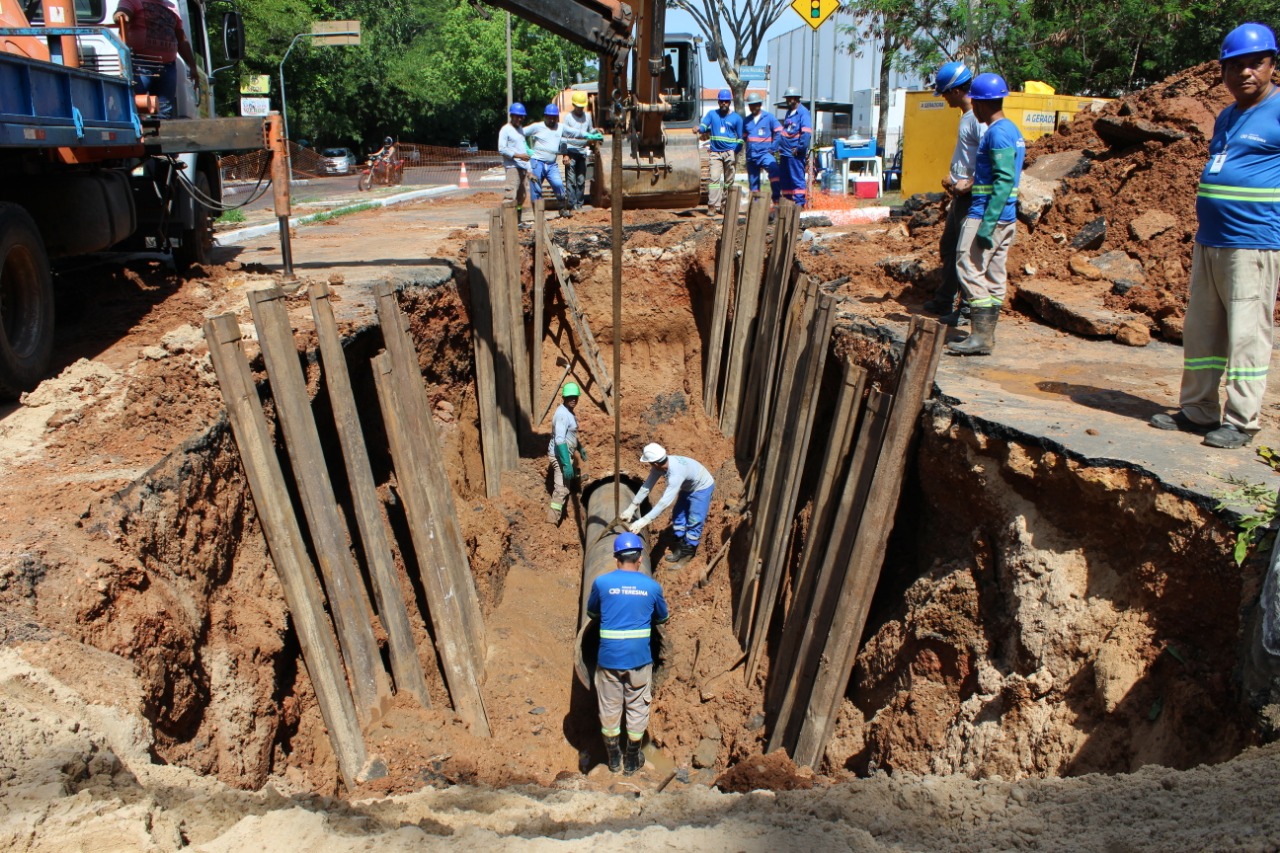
682,22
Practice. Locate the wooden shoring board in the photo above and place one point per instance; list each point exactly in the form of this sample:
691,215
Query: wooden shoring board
274,508
746,307
519,332
539,300
352,613
404,358
786,271
839,444
458,663
920,363
497,432
802,403
578,320
504,367
405,665
720,306
812,628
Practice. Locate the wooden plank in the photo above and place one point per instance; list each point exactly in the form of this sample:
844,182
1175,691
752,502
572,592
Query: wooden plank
592,357
519,329
814,627
867,557
801,403
832,466
458,663
720,305
405,665
274,508
504,364
746,308
351,610
784,272
539,300
496,430
432,474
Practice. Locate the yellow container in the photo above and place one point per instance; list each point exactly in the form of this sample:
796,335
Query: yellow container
929,130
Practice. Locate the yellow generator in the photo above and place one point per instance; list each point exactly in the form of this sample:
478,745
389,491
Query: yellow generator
929,129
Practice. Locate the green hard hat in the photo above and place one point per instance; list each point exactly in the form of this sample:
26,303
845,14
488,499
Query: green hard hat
570,390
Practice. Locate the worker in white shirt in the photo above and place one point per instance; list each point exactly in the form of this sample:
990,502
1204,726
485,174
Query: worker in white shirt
689,487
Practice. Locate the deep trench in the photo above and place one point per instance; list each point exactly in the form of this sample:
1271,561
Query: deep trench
1037,615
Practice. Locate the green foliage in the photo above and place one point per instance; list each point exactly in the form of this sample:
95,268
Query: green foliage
1269,456
231,217
1258,513
431,71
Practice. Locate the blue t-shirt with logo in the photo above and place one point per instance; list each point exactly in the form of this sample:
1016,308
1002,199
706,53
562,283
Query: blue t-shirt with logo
1000,135
725,130
1238,200
628,604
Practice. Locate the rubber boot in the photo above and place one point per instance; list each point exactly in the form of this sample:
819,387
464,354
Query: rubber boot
959,316
677,554
613,749
633,759
983,337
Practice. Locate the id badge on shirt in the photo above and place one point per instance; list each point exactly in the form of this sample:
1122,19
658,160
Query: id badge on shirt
1216,162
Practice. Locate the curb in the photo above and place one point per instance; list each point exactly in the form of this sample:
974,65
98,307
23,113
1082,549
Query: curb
236,237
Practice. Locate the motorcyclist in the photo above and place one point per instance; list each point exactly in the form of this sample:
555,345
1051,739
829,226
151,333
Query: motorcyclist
384,155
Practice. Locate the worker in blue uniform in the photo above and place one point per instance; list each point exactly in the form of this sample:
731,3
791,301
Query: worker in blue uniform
762,129
793,148
627,604
723,127
689,487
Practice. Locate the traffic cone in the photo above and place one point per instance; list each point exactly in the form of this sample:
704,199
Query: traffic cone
463,183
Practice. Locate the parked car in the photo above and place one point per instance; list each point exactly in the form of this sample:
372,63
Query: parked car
466,146
338,161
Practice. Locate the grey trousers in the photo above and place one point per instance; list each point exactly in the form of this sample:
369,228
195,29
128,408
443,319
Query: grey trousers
629,690
982,271
1228,332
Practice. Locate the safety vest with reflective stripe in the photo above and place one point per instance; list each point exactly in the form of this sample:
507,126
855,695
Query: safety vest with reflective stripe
1238,199
725,130
627,604
1001,135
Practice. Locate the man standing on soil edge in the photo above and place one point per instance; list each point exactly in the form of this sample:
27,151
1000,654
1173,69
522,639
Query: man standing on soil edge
1236,259
515,157
952,84
988,231
626,603
689,486
724,127
564,441
575,149
793,148
762,131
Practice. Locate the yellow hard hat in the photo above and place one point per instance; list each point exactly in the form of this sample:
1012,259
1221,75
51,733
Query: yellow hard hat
579,99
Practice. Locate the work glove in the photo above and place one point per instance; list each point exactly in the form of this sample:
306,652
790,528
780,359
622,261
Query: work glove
595,136
637,526
582,451
565,460
983,239
628,513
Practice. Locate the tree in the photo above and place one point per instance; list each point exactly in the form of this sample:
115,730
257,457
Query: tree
745,20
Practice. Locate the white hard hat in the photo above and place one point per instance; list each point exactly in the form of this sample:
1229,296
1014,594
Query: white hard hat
653,453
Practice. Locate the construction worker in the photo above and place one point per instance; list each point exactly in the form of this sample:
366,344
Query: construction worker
575,149
156,38
724,128
952,83
545,139
689,487
1236,258
564,442
762,129
793,147
626,603
515,157
987,233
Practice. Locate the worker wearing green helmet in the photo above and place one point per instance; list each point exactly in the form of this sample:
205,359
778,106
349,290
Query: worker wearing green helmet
564,441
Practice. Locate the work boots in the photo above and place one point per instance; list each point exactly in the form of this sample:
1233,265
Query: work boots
613,748
633,759
983,337
677,553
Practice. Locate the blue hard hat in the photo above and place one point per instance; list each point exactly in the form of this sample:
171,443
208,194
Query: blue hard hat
725,95
950,75
625,542
551,110
517,109
988,87
1248,38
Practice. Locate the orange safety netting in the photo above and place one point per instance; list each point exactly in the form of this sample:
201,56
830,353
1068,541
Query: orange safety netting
434,164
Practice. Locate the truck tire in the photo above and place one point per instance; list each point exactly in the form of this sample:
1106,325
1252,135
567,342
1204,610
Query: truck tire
197,241
26,303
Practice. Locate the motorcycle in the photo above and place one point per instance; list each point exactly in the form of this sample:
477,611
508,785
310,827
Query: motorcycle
383,172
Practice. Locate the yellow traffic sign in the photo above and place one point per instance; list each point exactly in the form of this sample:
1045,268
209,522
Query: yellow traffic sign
815,12
255,84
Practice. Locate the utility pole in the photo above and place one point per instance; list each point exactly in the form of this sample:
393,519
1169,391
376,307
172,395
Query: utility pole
511,94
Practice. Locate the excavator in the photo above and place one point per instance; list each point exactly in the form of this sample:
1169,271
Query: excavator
649,84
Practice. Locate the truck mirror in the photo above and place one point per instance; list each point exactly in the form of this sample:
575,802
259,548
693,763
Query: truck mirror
233,36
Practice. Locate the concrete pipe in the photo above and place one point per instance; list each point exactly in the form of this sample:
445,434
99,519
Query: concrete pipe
598,560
